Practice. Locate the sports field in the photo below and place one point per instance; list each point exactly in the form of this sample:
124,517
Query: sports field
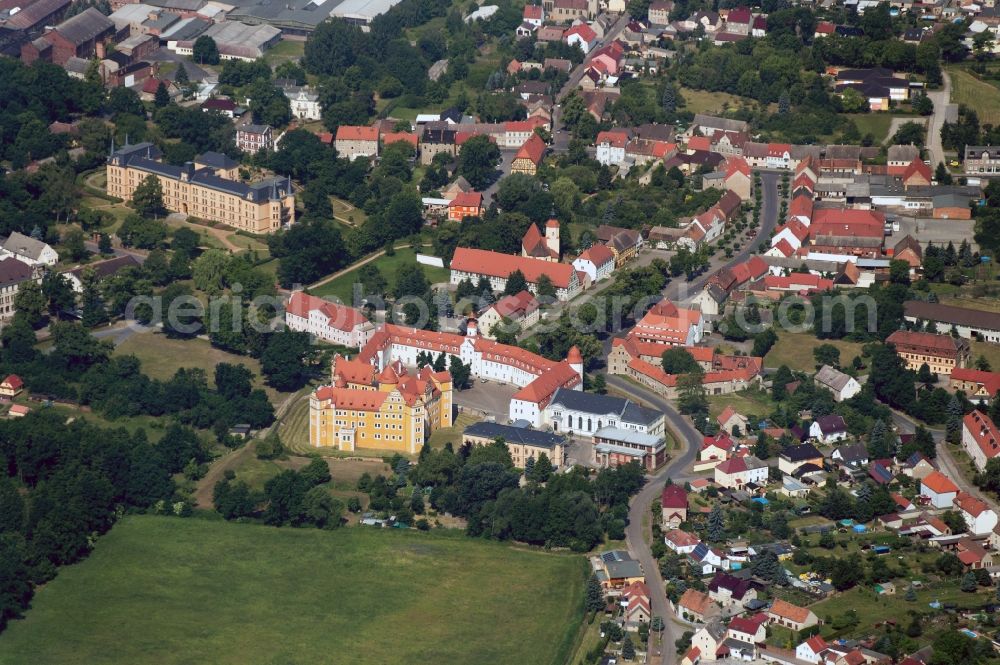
169,591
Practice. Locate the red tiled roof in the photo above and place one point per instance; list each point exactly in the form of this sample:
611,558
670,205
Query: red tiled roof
584,31
784,247
599,255
699,143
786,610
917,168
541,389
351,398
982,428
533,12
673,496
970,504
467,200
931,341
395,137
614,137
357,133
533,149
938,483
519,305
495,264
842,222
990,381
816,643
737,165
695,600
13,381
339,316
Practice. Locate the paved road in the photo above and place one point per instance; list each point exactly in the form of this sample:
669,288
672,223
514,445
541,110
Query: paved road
635,536
138,254
945,461
688,440
941,99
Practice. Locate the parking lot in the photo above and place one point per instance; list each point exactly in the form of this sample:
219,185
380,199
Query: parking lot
487,399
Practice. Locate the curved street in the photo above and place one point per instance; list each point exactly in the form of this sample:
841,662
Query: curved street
688,441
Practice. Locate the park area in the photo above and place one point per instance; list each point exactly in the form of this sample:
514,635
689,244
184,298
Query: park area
167,590
341,287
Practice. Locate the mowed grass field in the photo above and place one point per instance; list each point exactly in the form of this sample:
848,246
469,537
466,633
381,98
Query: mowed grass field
388,266
170,591
976,94
796,351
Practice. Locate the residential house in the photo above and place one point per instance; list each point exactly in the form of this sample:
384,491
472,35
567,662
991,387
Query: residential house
792,458
680,542
791,616
738,472
13,273
611,147
732,422
329,321
581,35
659,12
521,310
28,250
979,517
853,455
534,14
980,438
465,204
252,138
617,569
709,639
598,262
304,103
529,156
730,591
695,606
354,141
973,555
811,650
939,489
749,629
100,269
843,386
673,506
11,386
982,160
828,429
941,353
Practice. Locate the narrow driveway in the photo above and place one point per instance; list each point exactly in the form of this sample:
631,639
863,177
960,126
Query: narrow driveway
941,99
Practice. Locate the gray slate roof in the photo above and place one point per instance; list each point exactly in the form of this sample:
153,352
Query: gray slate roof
832,378
626,410
85,26
18,243
521,435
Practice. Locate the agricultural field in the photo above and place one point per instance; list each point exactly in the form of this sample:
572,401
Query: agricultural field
341,287
796,351
177,591
975,93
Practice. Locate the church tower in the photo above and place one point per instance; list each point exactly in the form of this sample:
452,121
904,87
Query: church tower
552,237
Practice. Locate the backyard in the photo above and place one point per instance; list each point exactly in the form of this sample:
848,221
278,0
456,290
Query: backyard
796,351
176,591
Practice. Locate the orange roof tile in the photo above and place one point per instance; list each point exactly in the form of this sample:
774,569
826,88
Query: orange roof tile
357,133
938,483
495,264
786,610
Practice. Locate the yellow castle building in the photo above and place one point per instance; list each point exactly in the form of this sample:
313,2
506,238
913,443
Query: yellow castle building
391,410
205,188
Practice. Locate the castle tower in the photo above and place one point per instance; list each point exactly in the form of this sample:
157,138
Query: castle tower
471,327
552,236
575,360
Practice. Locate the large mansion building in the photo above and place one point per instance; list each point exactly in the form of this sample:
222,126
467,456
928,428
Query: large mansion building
199,190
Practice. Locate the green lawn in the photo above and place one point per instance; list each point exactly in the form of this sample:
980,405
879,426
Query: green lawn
284,50
703,101
796,351
388,266
975,93
161,357
452,434
876,124
747,402
170,591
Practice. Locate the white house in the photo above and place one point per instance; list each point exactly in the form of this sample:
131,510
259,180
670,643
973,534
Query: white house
980,438
738,472
585,413
598,262
810,650
304,103
582,35
940,489
611,148
843,386
328,321
979,517
680,542
28,250
828,429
